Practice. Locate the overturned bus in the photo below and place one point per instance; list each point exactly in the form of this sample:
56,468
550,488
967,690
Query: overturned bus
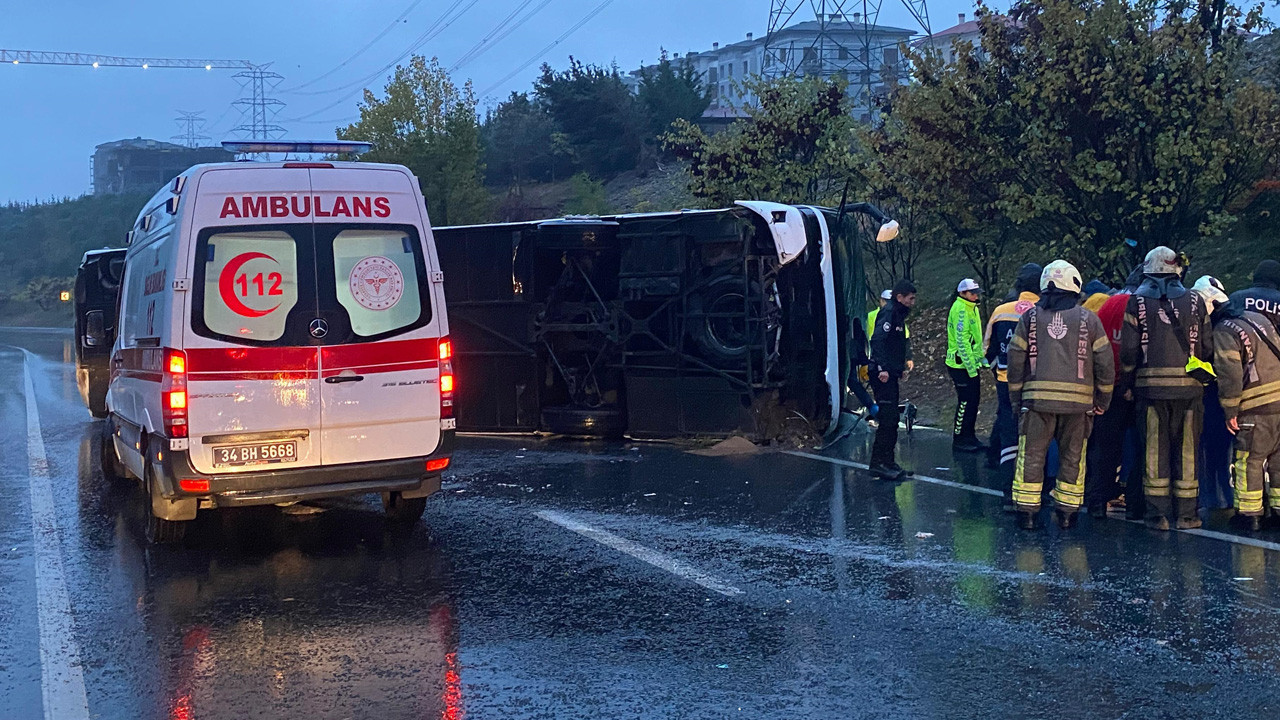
711,322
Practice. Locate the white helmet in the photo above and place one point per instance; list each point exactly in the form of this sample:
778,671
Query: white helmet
1210,289
1061,275
1162,261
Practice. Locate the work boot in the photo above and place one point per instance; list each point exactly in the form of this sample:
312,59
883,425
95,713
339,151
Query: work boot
885,472
1189,523
1158,522
898,468
1029,520
1098,511
1248,523
1066,518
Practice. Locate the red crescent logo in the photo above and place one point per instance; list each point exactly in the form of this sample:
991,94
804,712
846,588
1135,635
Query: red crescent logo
227,285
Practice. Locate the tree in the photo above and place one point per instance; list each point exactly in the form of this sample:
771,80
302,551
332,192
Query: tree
45,291
796,147
428,124
588,197
596,112
520,143
1089,123
669,92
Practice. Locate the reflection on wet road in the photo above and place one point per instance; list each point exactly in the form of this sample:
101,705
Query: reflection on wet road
564,579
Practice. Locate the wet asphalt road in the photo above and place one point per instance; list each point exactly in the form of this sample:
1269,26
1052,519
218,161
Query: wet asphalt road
557,579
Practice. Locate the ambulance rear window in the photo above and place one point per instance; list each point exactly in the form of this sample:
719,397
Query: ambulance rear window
376,276
250,283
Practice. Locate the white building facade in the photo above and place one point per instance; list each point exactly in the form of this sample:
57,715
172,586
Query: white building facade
864,55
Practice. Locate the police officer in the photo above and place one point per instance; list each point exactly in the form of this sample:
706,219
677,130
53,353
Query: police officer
964,361
1264,295
889,365
1000,329
1164,345
1061,374
1247,353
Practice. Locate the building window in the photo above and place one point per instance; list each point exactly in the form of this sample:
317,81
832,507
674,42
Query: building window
810,54
891,56
782,55
844,53
713,76
729,67
746,68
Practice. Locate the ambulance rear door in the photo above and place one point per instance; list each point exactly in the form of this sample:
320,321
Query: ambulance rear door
380,359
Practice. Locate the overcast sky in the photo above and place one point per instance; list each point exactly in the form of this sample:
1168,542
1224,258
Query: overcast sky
54,115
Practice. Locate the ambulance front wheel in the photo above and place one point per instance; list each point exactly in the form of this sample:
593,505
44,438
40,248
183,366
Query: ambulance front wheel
402,510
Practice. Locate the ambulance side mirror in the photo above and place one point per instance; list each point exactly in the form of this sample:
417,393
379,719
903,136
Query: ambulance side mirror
95,329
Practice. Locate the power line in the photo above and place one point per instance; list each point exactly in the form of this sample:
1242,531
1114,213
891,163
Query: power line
499,33
440,25
361,51
596,11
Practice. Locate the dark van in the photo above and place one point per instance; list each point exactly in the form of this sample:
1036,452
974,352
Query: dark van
97,294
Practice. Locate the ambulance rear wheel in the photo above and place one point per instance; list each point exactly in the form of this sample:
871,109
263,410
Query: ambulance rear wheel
159,531
402,510
112,469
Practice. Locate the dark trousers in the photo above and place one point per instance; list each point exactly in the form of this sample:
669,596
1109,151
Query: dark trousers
1170,438
968,395
886,442
1004,439
1215,454
1106,453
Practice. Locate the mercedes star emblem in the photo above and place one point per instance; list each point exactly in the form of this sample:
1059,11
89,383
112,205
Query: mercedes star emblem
319,328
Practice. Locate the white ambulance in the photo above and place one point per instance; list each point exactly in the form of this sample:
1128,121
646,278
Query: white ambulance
282,337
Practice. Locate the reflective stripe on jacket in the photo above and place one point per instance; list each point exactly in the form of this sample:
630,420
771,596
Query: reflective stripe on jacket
1000,329
964,336
1060,362
1248,369
1152,357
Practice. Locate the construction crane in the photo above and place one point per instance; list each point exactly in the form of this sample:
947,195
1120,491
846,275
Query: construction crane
44,57
257,108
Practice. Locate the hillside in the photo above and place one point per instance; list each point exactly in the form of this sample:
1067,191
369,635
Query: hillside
46,241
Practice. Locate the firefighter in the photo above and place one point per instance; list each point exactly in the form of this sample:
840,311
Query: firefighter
1164,348
1000,329
889,365
1264,295
1061,374
1247,354
964,361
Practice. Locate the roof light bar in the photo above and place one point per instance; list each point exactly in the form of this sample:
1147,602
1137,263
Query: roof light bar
336,147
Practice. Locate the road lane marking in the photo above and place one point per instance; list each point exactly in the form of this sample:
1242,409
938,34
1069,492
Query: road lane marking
1212,534
921,478
61,671
678,568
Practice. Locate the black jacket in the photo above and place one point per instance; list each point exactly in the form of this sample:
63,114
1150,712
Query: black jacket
889,348
1263,298
1161,319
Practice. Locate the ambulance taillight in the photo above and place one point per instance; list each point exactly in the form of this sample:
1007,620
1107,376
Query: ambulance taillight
446,378
173,394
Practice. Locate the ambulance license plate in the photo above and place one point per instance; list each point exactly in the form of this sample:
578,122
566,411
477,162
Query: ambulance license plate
255,454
